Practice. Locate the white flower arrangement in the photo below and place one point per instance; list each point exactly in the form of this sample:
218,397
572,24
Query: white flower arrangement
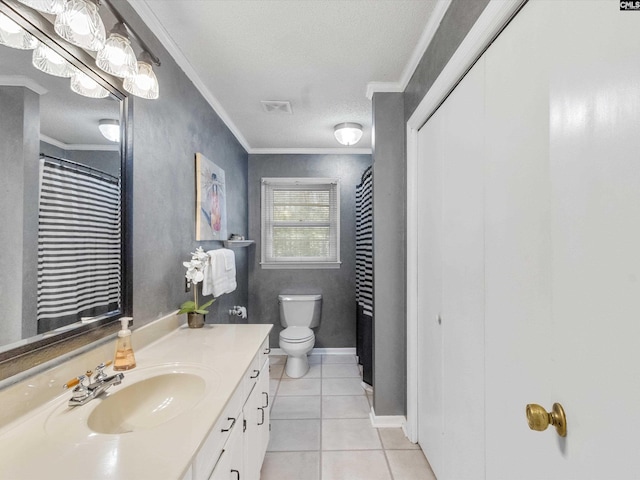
195,275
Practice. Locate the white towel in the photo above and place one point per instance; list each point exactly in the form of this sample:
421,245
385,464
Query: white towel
219,273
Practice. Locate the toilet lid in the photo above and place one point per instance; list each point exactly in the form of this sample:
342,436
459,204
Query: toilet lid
296,334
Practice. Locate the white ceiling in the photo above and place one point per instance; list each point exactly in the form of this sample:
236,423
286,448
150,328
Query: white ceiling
320,55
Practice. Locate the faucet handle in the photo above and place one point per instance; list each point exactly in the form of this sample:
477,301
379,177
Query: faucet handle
75,381
100,375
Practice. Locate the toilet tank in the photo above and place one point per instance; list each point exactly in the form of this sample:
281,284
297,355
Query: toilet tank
300,310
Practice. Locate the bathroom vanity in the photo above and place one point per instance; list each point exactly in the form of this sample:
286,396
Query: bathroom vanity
195,408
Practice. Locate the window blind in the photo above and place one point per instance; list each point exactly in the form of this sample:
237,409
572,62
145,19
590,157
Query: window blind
300,221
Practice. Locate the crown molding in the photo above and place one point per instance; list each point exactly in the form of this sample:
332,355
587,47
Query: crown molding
149,18
418,52
79,146
22,81
310,151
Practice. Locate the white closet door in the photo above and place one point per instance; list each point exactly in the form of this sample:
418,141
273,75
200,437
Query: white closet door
594,97
563,234
430,406
450,282
463,278
518,311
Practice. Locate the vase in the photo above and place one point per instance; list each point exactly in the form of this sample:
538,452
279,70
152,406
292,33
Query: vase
195,320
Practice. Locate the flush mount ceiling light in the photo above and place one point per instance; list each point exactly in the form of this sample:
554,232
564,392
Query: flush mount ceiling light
80,24
53,7
84,85
14,36
117,57
145,83
48,61
110,129
348,133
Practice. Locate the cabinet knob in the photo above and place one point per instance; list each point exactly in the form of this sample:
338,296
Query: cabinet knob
261,422
256,373
539,419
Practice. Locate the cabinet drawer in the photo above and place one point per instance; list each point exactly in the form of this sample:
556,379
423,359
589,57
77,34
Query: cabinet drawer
264,353
211,450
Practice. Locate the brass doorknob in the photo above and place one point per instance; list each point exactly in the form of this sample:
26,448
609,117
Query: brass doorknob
539,419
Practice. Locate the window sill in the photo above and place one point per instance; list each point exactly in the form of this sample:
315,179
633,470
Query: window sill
300,265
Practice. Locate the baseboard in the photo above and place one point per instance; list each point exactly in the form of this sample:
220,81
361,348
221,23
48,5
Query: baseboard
386,421
321,351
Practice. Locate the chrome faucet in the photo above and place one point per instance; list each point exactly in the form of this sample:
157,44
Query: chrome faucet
84,393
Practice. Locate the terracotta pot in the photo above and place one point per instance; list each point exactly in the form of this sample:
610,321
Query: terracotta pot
195,320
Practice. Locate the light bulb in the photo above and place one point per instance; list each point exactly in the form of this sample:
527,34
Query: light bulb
81,25
14,36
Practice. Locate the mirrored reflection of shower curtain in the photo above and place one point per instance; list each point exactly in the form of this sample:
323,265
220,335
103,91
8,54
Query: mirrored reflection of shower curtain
78,243
364,274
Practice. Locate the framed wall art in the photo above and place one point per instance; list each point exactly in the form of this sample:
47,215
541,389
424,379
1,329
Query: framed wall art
211,205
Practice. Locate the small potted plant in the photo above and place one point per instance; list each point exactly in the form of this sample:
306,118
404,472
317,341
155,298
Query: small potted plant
195,274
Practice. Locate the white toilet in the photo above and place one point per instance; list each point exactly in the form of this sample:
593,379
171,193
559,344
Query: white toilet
298,314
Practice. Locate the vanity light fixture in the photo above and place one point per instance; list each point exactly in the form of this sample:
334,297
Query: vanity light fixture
80,24
145,83
348,133
53,7
48,61
84,85
14,36
117,57
110,129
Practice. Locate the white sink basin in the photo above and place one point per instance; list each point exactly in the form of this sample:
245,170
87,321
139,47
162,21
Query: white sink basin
147,403
146,398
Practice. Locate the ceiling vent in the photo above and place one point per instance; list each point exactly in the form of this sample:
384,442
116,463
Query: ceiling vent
276,106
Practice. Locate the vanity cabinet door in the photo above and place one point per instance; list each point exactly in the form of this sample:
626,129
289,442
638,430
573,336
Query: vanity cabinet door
222,471
256,414
264,422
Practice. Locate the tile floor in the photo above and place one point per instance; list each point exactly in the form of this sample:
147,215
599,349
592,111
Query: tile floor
320,428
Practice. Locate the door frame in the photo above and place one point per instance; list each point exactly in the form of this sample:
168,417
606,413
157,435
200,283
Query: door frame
491,22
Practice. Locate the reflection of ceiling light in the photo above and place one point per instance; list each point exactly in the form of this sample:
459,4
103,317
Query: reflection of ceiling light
145,83
110,129
48,61
81,24
117,57
348,133
82,84
14,36
47,6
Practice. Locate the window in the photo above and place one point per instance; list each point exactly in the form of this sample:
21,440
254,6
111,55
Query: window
300,223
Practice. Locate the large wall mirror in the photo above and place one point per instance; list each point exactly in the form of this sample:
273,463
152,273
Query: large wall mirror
65,198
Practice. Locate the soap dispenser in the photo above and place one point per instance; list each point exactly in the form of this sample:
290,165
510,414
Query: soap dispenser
124,358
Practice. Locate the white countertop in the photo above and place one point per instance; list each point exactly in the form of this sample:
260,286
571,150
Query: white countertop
36,447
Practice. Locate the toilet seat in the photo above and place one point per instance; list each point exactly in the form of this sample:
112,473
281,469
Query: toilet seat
296,334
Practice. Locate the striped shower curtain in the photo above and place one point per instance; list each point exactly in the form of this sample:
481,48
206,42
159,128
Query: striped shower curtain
79,247
364,274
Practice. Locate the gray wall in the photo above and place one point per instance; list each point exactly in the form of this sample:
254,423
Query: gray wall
455,25
20,130
389,124
337,286
389,255
105,160
167,134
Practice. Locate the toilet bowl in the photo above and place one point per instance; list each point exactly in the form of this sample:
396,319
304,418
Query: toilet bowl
298,313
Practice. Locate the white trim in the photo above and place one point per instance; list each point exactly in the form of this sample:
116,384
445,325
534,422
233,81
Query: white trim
320,351
310,151
387,421
148,17
22,81
386,87
300,265
79,146
491,21
418,52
